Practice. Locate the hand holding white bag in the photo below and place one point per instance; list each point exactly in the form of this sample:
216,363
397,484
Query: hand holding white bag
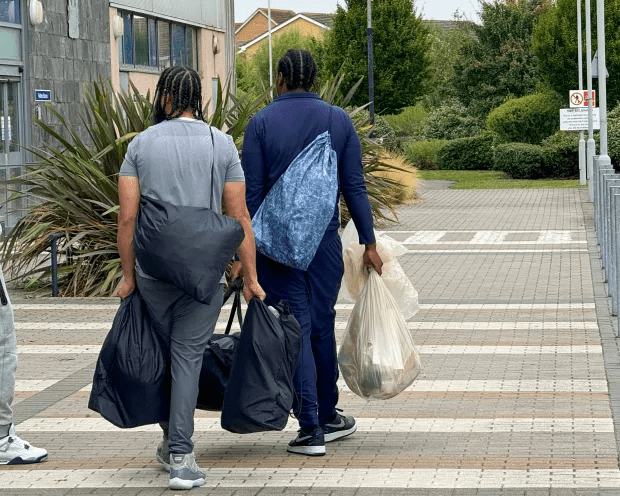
394,277
378,357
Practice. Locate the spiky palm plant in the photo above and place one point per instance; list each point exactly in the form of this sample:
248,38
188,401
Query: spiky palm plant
76,192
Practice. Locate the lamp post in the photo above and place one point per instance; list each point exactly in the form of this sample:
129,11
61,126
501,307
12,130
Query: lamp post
371,78
270,44
591,149
582,143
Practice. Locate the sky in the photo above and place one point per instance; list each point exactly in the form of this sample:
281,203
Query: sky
430,9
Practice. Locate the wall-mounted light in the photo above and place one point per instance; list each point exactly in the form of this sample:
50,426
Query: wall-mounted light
36,12
216,45
118,26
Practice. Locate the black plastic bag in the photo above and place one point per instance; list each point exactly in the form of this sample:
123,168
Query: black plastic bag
131,385
260,390
185,246
219,356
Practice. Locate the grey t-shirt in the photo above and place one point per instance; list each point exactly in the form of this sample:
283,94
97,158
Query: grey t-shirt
172,161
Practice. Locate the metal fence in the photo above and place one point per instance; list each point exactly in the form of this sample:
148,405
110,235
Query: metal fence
606,193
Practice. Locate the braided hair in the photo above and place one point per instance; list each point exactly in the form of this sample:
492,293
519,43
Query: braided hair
183,85
298,69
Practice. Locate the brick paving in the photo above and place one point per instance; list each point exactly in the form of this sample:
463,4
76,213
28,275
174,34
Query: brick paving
519,394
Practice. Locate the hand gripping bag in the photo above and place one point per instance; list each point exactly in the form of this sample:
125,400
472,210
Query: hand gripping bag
131,384
393,275
291,222
260,390
378,357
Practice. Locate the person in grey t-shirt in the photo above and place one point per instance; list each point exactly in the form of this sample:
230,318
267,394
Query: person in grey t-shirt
171,161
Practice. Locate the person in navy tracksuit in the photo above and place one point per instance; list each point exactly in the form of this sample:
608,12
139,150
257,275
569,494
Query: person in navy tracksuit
274,137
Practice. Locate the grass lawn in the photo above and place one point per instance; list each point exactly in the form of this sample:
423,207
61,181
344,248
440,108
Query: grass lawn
493,180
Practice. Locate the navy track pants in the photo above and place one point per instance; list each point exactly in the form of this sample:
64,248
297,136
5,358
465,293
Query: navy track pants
312,295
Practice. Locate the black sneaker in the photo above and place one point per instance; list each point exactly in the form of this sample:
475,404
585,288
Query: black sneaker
309,443
341,426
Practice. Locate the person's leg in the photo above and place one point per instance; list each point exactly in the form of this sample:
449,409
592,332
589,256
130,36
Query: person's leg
8,361
193,324
324,276
13,450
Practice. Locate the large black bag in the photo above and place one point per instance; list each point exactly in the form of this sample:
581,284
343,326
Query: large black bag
186,246
131,385
218,357
260,391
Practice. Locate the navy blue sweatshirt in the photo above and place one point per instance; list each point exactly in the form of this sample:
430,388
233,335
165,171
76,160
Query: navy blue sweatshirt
279,132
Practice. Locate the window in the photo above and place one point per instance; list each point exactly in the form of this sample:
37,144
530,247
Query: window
9,11
150,42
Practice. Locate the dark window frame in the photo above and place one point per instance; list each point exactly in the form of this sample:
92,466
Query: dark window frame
158,53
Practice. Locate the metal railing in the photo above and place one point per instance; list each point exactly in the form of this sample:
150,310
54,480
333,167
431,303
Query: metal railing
606,188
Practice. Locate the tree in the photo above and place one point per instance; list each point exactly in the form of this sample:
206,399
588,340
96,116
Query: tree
253,71
401,43
555,44
445,49
498,63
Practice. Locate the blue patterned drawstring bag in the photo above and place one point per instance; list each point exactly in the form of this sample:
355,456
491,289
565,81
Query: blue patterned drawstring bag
290,223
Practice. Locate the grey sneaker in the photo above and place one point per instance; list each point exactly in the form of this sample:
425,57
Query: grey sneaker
163,454
184,473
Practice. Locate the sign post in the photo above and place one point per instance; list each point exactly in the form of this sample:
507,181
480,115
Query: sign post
582,143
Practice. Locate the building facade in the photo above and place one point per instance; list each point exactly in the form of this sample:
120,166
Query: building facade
52,50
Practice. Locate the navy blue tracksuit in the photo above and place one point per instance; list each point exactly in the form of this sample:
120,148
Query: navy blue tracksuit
274,137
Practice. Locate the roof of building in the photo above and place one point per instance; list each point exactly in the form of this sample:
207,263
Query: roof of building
243,45
325,19
278,16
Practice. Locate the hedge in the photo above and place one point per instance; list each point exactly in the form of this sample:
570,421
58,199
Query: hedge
423,154
528,119
562,158
473,153
521,160
451,121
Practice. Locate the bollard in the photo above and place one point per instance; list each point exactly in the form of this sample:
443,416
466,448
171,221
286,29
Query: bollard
617,257
53,239
607,179
611,180
612,287
598,202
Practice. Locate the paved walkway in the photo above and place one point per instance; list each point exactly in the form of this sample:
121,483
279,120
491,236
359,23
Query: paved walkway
519,360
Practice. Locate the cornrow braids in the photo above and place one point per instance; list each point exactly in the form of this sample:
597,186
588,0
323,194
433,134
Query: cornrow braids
183,85
298,69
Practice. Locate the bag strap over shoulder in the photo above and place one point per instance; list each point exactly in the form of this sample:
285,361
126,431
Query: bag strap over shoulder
329,120
212,166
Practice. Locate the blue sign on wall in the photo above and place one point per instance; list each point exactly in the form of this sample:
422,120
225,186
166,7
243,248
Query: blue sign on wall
42,95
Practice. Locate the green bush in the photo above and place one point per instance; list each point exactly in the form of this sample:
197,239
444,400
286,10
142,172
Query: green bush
613,135
528,119
423,154
562,149
472,153
520,160
386,134
410,122
451,121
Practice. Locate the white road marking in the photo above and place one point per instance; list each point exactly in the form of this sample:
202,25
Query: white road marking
250,478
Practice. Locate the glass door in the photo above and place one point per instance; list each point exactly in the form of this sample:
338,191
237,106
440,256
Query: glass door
11,154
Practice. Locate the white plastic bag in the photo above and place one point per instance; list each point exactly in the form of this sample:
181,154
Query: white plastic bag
378,357
394,277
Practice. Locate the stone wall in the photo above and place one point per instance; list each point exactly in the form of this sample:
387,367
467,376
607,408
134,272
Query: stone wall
67,66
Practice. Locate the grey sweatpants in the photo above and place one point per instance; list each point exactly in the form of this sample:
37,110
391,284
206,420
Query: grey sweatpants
8,357
186,325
